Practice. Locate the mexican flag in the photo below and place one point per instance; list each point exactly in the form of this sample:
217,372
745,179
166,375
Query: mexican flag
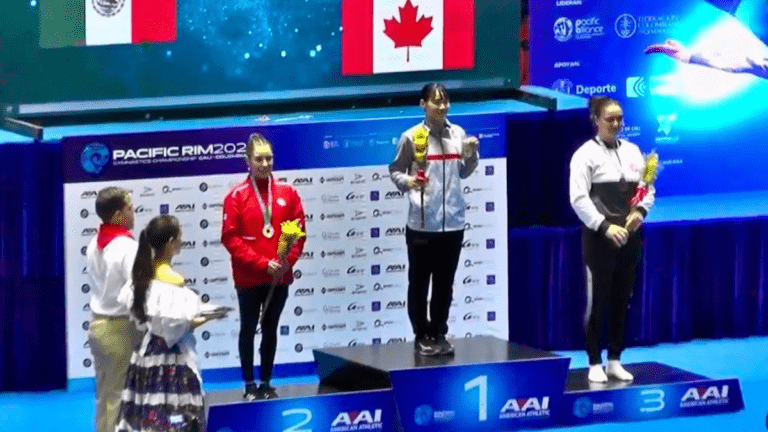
66,23
382,36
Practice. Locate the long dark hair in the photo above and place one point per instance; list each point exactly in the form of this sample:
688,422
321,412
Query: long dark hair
155,236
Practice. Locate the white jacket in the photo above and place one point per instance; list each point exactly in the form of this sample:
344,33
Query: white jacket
445,166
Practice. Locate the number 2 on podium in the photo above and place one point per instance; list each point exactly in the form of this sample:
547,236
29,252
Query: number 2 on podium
481,383
301,411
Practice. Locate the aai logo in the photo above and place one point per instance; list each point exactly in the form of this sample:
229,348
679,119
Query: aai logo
94,158
526,407
303,292
304,329
302,181
354,419
703,396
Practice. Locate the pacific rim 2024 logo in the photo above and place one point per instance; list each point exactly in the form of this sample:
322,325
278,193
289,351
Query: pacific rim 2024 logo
94,158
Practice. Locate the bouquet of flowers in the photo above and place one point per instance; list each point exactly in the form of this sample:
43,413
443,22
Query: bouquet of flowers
650,173
291,233
420,139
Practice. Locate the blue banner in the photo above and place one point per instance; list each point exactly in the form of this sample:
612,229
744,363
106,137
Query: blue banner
691,75
354,143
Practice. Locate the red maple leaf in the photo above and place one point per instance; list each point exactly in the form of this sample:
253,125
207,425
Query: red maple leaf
408,32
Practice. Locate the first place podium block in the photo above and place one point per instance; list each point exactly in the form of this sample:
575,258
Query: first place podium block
488,384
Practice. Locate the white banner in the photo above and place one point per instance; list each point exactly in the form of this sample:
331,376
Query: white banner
351,282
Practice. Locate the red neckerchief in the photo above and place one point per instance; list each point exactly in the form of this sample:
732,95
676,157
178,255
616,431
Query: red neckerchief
109,232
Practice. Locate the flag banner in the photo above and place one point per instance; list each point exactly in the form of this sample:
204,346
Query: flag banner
383,36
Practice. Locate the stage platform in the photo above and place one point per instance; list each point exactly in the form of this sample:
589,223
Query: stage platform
488,385
365,367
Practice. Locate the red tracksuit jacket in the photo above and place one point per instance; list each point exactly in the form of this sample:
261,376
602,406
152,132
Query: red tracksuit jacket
241,232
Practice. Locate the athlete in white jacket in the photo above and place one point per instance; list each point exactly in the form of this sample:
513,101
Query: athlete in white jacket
432,158
605,173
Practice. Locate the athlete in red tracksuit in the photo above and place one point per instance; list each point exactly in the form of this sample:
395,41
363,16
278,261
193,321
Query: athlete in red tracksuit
252,241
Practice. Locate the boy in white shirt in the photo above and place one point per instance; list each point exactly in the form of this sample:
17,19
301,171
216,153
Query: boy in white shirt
112,336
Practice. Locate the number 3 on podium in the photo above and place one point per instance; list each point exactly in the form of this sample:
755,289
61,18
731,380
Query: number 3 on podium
657,402
481,383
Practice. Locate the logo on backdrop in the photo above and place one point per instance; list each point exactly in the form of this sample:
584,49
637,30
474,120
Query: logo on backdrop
637,87
563,29
563,86
94,158
625,26
566,86
665,128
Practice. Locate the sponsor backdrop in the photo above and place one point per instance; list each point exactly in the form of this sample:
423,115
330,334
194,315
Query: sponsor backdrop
351,281
706,124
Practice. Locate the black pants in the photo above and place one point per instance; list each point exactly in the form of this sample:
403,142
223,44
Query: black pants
251,300
432,255
610,280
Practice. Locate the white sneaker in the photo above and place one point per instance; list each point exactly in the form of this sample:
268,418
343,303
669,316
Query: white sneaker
596,374
616,370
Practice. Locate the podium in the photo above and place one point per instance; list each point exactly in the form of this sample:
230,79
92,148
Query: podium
488,385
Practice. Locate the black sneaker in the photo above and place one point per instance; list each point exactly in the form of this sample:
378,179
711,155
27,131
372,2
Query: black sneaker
267,392
425,346
251,391
443,346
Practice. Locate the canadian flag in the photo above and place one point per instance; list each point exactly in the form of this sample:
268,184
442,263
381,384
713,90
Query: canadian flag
381,36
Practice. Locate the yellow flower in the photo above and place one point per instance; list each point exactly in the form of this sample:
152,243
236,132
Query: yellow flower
291,232
420,137
651,169
292,228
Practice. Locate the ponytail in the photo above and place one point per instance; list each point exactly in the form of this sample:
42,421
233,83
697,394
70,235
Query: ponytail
142,275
